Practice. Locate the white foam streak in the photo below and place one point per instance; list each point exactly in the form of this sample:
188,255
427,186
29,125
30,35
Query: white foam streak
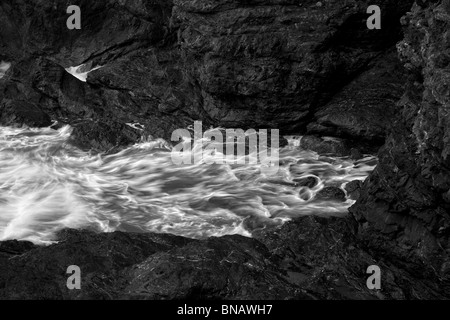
4,67
80,72
47,185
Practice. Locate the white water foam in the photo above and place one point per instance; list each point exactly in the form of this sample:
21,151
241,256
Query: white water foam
46,185
4,67
81,72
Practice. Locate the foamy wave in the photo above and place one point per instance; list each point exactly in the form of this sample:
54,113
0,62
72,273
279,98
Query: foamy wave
46,185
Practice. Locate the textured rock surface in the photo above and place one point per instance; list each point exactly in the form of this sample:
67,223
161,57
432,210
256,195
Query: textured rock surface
137,84
333,147
251,64
403,208
275,62
331,194
353,189
13,112
312,258
366,107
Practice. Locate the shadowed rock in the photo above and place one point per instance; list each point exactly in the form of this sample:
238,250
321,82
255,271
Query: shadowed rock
364,110
401,209
22,112
353,189
309,182
331,193
310,258
331,147
164,64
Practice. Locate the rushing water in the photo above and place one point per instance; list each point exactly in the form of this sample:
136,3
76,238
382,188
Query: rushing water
46,184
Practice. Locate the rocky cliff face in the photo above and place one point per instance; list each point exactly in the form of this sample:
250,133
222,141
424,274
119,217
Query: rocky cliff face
312,258
133,42
284,64
405,205
276,63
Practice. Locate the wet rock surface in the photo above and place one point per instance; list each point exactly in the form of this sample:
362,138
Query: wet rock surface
309,182
331,194
310,258
16,112
164,64
402,208
324,146
353,189
365,109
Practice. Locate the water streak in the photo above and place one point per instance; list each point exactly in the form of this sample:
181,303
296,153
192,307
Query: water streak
46,184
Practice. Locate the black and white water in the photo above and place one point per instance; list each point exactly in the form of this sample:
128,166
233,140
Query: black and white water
46,184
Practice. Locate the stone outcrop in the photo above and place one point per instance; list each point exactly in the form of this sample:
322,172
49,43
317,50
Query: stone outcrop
311,258
282,64
404,207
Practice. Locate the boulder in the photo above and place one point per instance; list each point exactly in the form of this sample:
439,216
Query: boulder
23,112
353,189
309,258
309,182
401,209
331,194
325,146
165,64
365,109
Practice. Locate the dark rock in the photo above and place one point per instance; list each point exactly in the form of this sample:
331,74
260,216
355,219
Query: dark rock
14,247
355,154
334,147
446,196
273,64
143,266
104,136
353,189
109,29
337,271
305,194
354,185
331,194
309,182
401,210
137,79
365,109
23,112
231,267
40,273
309,258
233,138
